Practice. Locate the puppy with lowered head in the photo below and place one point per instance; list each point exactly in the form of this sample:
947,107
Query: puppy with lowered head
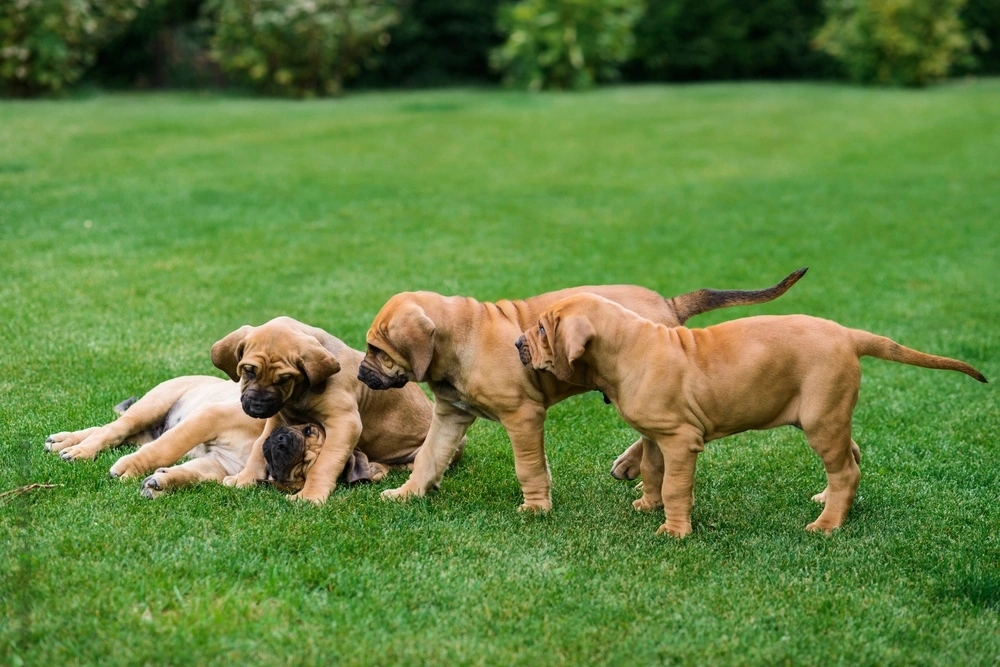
462,348
194,416
681,388
292,373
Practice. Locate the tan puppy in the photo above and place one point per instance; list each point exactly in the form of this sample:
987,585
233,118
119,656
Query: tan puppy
463,349
196,416
684,387
292,373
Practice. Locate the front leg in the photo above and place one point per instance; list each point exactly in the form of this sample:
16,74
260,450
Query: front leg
680,454
256,465
628,465
195,471
444,442
342,433
526,429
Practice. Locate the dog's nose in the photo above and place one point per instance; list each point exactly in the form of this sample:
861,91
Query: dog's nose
519,343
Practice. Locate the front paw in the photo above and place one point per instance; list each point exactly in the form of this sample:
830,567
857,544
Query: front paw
58,441
78,453
678,530
126,467
402,494
312,497
536,506
645,504
152,486
238,481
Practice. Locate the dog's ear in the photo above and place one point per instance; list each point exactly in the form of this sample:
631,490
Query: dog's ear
416,340
226,353
568,338
317,363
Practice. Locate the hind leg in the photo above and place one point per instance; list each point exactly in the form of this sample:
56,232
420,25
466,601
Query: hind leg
833,443
143,415
651,469
628,465
856,453
195,471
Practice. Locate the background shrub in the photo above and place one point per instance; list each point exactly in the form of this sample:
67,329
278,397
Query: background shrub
298,47
166,46
899,42
723,39
982,18
438,42
565,43
47,45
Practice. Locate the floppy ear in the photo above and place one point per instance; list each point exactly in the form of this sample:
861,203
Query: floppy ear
318,363
568,339
418,341
226,353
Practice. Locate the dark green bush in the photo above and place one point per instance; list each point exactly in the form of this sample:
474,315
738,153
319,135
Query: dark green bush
300,48
47,45
895,42
438,42
725,39
982,18
565,44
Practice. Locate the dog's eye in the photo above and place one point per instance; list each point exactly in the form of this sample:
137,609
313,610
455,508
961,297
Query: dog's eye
307,431
284,380
249,373
541,330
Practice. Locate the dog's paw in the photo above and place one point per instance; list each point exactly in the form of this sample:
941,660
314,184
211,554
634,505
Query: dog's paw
78,453
402,494
646,504
377,471
821,497
237,481
677,530
58,441
817,527
536,506
311,497
152,487
125,468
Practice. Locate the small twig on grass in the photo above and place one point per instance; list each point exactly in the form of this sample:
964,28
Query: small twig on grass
30,487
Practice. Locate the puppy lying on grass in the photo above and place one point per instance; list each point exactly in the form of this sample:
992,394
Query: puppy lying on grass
199,417
681,388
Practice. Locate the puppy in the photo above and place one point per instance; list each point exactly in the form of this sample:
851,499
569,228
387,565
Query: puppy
292,373
196,416
681,388
462,349
291,450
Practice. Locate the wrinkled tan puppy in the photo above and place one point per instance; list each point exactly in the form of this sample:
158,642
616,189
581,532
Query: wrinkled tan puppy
681,388
463,349
292,373
197,416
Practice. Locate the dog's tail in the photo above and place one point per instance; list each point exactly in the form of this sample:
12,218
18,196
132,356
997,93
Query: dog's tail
870,345
703,300
125,405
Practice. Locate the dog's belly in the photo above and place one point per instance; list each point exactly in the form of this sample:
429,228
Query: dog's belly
447,392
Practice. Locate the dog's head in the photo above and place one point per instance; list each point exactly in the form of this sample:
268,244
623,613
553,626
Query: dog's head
560,339
290,452
274,363
400,344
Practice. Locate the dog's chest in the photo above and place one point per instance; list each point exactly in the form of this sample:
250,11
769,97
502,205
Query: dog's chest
447,392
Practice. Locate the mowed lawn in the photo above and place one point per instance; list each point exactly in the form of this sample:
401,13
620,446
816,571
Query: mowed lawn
135,231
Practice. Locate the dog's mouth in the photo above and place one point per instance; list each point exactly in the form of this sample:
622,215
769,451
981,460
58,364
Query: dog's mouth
523,350
377,380
260,405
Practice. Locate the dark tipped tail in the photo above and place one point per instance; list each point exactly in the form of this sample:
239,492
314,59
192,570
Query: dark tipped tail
125,405
871,345
703,300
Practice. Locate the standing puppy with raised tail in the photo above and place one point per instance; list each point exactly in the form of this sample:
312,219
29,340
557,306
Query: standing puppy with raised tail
681,388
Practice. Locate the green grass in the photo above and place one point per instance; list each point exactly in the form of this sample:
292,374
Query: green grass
137,230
